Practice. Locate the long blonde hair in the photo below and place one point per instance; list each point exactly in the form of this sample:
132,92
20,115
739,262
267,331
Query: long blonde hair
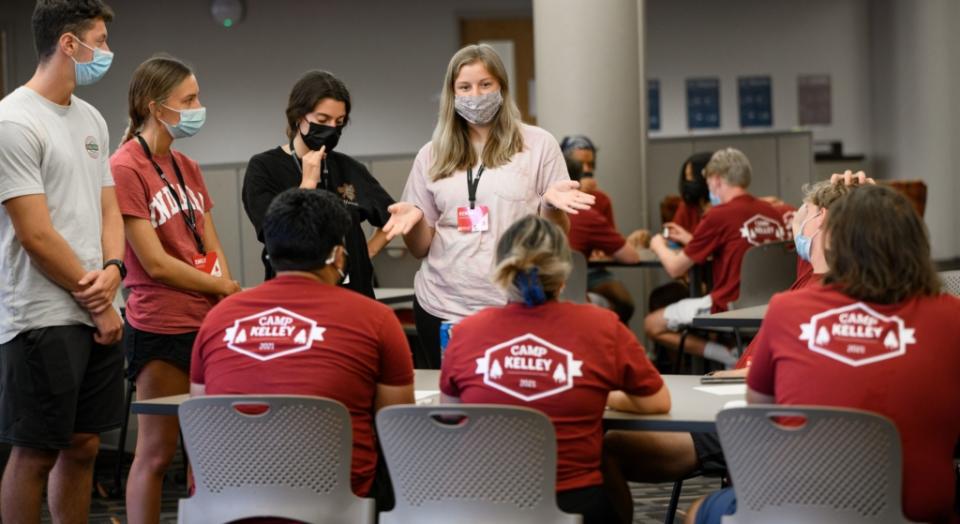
153,81
451,142
533,252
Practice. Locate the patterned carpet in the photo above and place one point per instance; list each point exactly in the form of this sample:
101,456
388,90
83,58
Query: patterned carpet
650,500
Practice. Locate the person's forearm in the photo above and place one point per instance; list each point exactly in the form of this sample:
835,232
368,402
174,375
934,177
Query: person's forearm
111,239
55,258
178,274
419,238
376,242
556,216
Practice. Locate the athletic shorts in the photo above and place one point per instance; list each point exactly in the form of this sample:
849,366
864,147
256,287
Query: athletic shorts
142,347
56,381
680,314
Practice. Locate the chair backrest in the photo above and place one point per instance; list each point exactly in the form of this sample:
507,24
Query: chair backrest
395,267
470,464
278,456
576,288
951,282
839,466
766,269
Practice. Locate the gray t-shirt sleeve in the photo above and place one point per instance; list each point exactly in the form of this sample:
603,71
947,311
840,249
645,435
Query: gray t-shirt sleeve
20,156
106,178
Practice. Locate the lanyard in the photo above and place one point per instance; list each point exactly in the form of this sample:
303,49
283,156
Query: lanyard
188,216
473,184
324,182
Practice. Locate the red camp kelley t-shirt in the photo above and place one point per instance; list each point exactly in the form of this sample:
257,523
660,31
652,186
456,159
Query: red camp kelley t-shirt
294,335
589,230
786,214
727,232
686,216
141,193
560,358
604,206
820,347
811,279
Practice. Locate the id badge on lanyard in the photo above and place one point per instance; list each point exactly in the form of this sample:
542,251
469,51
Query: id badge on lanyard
208,263
473,219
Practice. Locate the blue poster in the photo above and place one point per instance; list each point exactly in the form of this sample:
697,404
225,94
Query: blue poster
703,103
755,101
653,104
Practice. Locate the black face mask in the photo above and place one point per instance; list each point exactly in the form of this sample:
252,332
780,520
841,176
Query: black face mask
320,135
694,191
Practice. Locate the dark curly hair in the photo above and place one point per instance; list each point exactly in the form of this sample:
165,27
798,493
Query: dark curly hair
302,227
313,87
52,18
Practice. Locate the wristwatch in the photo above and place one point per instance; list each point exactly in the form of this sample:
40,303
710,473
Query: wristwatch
119,263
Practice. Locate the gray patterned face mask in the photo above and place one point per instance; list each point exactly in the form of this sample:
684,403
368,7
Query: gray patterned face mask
480,109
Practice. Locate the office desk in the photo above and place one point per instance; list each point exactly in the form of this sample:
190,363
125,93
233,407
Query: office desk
694,410
746,318
393,295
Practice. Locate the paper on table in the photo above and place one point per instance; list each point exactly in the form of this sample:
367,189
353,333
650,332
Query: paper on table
425,393
724,390
735,404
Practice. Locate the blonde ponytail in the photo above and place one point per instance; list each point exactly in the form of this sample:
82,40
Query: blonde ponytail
533,261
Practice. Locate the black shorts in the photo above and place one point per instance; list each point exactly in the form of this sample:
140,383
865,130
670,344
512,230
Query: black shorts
56,381
141,347
591,502
709,454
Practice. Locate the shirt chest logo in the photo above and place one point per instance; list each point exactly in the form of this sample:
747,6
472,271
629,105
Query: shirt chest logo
273,333
857,335
93,149
760,229
529,368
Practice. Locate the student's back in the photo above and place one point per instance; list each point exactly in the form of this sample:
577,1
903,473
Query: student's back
898,360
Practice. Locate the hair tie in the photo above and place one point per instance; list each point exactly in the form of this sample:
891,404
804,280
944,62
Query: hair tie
528,282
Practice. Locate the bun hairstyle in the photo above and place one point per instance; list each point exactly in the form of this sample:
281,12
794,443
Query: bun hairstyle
533,261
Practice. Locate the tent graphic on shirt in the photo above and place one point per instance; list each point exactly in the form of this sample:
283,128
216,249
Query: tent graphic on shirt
529,368
273,333
857,335
760,229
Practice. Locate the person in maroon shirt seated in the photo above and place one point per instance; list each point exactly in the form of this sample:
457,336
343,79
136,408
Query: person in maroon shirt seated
694,195
736,222
877,335
567,360
301,334
591,233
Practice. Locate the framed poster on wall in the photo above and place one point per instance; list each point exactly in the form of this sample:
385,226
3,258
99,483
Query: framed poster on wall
653,104
814,100
703,103
756,101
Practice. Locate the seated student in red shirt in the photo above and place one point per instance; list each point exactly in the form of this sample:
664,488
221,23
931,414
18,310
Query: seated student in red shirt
567,360
591,232
671,456
694,196
357,352
904,368
736,222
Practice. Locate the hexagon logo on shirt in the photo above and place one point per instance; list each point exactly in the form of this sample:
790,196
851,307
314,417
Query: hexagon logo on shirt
857,335
760,229
529,368
273,333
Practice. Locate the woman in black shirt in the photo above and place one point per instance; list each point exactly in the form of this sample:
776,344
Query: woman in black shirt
317,112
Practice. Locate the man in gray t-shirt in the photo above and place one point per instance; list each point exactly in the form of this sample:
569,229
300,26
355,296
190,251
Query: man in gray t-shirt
61,246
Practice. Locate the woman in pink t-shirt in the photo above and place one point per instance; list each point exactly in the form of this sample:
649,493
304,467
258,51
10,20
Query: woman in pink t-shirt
567,360
454,219
176,267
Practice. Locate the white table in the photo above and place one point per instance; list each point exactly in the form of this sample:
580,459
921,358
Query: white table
393,295
748,317
694,410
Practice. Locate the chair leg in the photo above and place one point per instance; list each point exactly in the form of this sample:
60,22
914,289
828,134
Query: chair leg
122,443
674,502
678,365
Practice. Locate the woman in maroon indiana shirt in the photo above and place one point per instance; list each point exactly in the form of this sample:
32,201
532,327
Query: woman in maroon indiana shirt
567,360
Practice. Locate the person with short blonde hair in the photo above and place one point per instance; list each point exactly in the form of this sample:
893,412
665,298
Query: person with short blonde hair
567,360
483,170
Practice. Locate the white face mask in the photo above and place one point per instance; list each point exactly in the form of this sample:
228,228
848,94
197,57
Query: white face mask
479,109
344,278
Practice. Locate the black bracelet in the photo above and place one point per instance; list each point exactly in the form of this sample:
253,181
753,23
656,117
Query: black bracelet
120,266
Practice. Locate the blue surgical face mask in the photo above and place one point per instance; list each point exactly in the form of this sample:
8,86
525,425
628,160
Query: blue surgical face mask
804,243
89,72
714,199
191,120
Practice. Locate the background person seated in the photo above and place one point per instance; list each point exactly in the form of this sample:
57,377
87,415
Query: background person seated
593,233
736,222
880,266
568,360
358,354
653,456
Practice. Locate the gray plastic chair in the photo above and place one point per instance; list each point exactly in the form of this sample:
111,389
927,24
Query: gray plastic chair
842,466
576,288
766,269
484,464
291,461
951,282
